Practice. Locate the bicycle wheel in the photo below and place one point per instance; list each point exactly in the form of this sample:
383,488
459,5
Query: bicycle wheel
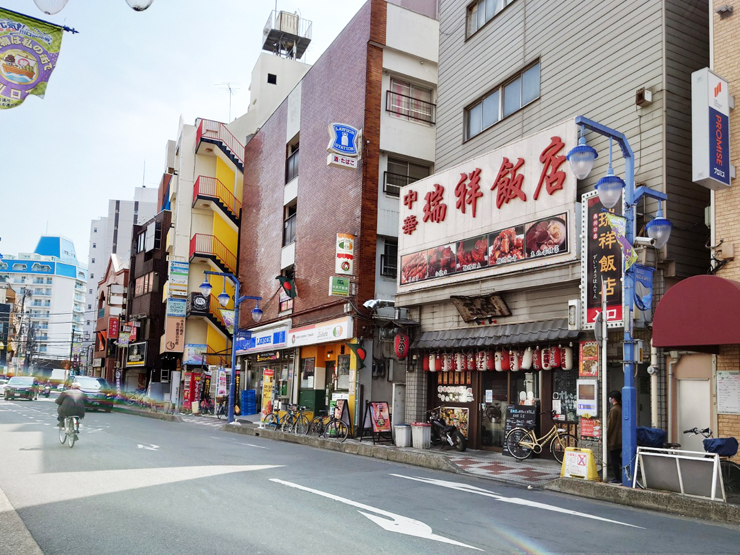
62,435
316,427
730,478
301,424
71,438
336,430
271,421
288,423
559,443
221,412
513,440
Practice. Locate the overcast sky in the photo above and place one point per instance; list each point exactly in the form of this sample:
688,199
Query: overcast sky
116,97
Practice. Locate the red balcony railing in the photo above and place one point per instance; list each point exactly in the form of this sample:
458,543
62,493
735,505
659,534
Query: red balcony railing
212,188
217,131
209,245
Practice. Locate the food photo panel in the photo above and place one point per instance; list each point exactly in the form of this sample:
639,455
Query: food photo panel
413,267
472,254
441,261
547,236
507,246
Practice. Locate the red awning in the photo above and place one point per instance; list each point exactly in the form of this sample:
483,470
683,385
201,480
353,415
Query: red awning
698,312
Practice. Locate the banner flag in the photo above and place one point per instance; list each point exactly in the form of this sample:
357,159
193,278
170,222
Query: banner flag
228,316
619,227
29,50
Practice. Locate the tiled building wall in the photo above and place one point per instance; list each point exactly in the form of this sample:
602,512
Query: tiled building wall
416,395
728,425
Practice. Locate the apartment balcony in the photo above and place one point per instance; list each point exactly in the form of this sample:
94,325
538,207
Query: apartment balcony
209,248
410,108
209,192
213,135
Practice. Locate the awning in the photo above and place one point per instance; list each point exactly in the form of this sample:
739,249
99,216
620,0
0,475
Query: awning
699,311
548,331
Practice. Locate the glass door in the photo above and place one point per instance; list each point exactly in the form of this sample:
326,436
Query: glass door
493,409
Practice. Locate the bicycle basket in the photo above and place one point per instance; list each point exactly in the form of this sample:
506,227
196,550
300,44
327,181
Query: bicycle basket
650,437
722,446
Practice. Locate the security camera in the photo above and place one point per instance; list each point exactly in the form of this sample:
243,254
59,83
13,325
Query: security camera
372,304
645,241
652,370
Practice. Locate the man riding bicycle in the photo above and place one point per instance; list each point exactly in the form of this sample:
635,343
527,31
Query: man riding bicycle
71,403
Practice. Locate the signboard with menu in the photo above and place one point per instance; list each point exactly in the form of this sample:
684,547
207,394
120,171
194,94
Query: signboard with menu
500,212
588,359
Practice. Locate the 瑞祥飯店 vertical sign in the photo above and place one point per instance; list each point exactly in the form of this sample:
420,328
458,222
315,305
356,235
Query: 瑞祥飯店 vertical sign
602,259
29,50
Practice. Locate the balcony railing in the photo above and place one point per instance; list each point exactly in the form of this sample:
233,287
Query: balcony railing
212,188
394,182
410,107
209,245
217,131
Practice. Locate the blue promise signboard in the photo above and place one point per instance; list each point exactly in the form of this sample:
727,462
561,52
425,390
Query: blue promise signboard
719,146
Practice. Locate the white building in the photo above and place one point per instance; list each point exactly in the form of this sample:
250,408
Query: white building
111,234
53,282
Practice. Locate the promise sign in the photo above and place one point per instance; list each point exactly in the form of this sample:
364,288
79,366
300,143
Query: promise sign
710,126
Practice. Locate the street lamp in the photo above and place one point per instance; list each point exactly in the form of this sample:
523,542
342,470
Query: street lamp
223,300
610,189
51,7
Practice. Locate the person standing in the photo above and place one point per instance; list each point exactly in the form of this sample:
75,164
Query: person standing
614,435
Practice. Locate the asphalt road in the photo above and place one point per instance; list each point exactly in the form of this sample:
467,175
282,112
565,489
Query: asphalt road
134,485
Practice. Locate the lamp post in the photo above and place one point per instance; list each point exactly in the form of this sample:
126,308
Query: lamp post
223,300
610,188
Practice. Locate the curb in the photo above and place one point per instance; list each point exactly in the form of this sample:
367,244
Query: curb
148,414
672,503
352,447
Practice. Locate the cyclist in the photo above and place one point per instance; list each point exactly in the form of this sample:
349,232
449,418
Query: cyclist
71,403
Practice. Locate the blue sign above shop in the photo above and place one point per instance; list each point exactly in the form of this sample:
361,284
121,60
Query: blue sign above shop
261,341
343,139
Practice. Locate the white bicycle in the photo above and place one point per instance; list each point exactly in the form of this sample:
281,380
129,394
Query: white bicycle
70,430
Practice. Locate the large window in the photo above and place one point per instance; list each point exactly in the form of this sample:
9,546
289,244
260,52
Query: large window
144,284
503,101
388,259
483,11
289,225
400,173
408,101
291,164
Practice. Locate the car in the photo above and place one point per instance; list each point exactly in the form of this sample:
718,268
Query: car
98,393
22,387
3,381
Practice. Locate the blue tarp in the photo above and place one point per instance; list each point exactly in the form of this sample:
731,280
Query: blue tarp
650,437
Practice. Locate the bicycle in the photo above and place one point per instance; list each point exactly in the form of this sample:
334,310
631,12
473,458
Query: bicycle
68,432
318,424
725,447
522,442
221,409
295,420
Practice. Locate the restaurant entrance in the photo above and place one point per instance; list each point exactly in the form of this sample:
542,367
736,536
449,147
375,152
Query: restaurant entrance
493,401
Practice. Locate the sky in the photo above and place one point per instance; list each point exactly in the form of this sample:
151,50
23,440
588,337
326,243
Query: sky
116,97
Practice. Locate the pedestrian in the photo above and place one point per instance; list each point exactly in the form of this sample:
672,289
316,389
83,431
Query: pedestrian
614,435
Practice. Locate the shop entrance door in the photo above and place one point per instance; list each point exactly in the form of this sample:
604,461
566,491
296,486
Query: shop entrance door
494,387
694,402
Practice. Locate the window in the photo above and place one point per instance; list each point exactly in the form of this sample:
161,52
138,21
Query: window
95,230
400,173
289,225
49,281
483,11
89,291
144,284
92,276
141,242
89,307
286,303
95,245
291,164
408,101
503,101
272,79
388,258
93,261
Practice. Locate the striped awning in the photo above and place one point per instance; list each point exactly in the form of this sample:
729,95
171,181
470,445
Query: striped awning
532,333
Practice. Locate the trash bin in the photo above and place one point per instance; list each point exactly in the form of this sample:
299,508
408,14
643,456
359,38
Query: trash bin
403,435
421,435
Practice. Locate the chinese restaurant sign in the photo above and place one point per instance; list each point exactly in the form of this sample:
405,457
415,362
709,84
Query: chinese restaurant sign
29,50
602,259
511,207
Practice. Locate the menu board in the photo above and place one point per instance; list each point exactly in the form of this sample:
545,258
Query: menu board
532,240
588,359
458,417
590,428
728,392
564,395
380,416
520,416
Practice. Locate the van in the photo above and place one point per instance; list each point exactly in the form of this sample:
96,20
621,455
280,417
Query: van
58,376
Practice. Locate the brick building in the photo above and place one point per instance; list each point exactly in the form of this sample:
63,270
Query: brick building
380,80
111,305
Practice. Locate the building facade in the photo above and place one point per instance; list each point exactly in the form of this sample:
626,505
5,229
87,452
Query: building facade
50,282
330,231
110,308
506,288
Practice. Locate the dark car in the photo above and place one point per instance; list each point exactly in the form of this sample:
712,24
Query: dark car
22,387
98,393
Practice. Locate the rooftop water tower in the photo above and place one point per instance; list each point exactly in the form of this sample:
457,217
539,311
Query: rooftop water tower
286,34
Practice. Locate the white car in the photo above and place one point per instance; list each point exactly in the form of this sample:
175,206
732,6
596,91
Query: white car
3,381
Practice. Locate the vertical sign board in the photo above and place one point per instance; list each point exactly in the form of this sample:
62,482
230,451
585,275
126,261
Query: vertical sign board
710,127
601,258
345,260
178,284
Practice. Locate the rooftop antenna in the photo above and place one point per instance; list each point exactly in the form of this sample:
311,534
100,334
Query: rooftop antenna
232,89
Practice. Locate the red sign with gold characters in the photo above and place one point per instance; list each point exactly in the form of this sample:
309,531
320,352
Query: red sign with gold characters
113,324
513,205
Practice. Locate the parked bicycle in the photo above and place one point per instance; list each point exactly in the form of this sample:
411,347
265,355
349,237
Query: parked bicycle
522,442
725,447
221,408
328,426
318,424
295,420
70,430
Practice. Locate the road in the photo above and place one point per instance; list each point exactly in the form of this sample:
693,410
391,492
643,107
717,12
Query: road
134,485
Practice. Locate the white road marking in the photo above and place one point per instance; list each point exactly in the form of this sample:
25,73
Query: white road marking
513,500
251,445
397,523
150,447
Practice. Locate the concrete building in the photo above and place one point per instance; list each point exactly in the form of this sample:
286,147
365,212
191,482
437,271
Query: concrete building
51,285
111,234
7,324
110,307
203,187
493,290
331,230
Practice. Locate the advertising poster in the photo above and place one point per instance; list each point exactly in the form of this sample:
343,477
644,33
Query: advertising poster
174,335
380,416
345,260
472,254
186,391
195,391
441,261
194,354
136,354
456,416
178,283
221,384
267,379
590,428
588,359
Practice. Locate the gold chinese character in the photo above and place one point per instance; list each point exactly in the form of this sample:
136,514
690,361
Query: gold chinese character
607,240
607,263
609,285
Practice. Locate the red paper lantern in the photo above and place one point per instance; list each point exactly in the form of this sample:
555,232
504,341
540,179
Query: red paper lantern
425,363
401,344
505,360
566,358
490,360
555,357
545,357
537,359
